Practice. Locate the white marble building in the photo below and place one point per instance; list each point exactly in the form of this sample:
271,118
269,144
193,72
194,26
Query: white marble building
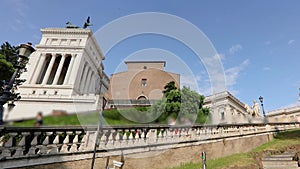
227,109
64,74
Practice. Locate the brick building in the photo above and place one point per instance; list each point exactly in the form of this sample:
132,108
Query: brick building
141,84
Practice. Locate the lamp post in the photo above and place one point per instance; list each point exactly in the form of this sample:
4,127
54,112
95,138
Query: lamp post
25,51
261,99
99,127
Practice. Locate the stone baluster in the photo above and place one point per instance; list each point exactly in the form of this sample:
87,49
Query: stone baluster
241,131
181,134
103,140
83,143
124,138
172,135
143,137
44,148
193,133
220,131
198,132
74,147
166,135
65,146
110,140
153,136
55,144
177,135
117,143
160,136
189,132
137,139
91,138
8,146
131,140
21,146
34,143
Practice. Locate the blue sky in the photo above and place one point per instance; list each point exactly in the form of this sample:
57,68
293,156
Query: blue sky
258,41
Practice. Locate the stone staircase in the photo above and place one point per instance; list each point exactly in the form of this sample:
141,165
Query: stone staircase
280,161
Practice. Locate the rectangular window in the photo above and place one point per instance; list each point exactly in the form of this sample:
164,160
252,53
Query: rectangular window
144,82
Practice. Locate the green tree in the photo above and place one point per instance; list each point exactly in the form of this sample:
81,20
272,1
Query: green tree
10,52
6,69
169,87
185,102
8,58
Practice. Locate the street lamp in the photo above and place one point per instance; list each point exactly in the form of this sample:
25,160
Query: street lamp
8,93
261,99
100,124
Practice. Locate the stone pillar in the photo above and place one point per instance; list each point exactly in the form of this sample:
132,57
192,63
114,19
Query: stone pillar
76,71
58,72
88,81
91,83
38,69
83,78
73,57
46,77
84,85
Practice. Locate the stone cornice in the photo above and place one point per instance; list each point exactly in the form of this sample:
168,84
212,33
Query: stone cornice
58,47
66,31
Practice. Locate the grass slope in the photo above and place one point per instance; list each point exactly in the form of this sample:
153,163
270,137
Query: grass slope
284,141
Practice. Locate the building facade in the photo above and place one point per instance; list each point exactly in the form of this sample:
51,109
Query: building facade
142,83
227,109
289,114
65,73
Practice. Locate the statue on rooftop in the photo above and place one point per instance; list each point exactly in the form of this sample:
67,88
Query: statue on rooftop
70,25
254,110
87,23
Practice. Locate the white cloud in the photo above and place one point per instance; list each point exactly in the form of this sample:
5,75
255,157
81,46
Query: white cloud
266,68
291,41
233,73
235,48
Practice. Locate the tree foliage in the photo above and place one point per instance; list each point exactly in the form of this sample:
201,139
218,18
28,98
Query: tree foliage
10,52
181,104
8,58
6,69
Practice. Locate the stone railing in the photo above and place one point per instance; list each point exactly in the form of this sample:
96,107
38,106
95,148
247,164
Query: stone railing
34,142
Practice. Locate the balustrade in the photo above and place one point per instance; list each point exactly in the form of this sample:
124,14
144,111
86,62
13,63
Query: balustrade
16,143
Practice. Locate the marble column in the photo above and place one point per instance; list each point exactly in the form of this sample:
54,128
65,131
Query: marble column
38,70
83,78
73,57
85,82
51,64
88,81
58,72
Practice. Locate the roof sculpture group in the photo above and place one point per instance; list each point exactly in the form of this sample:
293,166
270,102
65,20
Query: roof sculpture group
86,24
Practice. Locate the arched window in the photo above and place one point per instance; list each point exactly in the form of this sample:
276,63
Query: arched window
142,98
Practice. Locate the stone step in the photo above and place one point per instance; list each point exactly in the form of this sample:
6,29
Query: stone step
283,155
282,163
280,167
277,158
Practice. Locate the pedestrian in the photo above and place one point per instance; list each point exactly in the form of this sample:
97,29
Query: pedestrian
39,119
